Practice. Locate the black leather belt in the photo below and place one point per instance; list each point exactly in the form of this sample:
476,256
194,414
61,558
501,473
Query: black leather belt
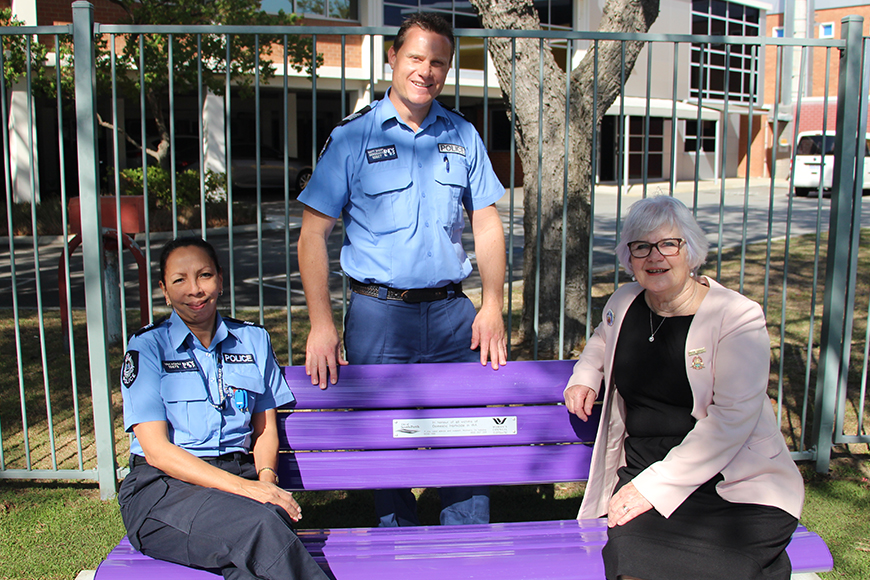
412,296
136,460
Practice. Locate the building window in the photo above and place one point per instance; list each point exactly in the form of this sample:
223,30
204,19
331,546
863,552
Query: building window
778,32
333,9
554,14
712,63
826,30
707,136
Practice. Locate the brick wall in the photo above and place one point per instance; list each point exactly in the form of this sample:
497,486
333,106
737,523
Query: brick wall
51,12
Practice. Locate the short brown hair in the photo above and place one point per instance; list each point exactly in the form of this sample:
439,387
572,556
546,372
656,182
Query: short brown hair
430,22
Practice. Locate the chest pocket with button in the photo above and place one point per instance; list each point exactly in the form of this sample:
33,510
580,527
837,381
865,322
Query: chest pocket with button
192,419
388,202
451,177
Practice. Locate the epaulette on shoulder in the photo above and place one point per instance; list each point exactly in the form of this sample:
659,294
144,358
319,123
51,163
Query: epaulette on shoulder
151,326
355,116
242,322
452,110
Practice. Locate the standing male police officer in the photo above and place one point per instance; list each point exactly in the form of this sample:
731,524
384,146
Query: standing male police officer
399,173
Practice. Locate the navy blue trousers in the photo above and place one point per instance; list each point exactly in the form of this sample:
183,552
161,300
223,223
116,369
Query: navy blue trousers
381,331
195,526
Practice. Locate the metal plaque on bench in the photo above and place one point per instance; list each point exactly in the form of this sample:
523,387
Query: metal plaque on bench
455,427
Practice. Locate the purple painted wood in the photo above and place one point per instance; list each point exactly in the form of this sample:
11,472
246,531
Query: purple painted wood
445,385
509,551
435,467
304,431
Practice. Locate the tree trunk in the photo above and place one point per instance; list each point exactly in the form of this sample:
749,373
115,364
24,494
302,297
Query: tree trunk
540,134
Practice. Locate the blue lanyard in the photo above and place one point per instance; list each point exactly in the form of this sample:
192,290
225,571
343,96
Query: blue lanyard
222,391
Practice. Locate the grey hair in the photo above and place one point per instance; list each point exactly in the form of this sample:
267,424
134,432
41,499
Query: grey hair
647,215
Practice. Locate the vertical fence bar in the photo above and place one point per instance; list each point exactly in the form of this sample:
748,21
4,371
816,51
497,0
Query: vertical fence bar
512,178
40,308
564,262
753,75
674,98
228,99
4,116
620,162
116,146
817,251
199,107
287,265
593,178
258,159
144,133
92,243
65,219
172,148
836,275
539,196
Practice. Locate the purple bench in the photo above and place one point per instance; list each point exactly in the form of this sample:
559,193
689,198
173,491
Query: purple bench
434,425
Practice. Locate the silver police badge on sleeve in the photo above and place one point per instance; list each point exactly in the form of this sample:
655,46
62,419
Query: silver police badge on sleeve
130,368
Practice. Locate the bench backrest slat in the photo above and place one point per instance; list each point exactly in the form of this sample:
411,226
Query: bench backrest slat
435,467
434,385
408,428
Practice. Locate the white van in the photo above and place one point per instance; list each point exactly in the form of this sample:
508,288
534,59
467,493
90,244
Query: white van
808,163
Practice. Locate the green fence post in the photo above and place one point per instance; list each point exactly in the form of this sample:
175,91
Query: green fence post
92,243
834,344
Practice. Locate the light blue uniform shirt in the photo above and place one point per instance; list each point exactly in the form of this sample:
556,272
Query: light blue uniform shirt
401,194
169,376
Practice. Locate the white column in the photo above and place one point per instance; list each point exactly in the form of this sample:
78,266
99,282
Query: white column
22,128
25,10
214,133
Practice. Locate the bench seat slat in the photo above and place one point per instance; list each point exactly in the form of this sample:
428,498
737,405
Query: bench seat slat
305,431
508,551
433,385
434,467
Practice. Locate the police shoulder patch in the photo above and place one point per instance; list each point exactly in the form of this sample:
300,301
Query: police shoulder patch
130,368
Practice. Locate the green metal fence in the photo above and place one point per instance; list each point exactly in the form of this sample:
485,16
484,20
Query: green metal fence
51,426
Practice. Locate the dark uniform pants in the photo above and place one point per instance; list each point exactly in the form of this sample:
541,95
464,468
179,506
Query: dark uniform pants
390,332
211,529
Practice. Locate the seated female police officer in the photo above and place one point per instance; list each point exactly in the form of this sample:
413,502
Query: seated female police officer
200,393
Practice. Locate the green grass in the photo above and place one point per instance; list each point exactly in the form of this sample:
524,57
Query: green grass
51,530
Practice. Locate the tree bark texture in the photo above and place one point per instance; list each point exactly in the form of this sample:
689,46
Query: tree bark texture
541,112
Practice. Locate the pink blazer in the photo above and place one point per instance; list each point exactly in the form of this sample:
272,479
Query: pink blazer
736,433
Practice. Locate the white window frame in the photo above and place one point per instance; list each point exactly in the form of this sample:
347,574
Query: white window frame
823,26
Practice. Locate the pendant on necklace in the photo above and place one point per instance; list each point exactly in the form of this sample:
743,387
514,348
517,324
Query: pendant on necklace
652,335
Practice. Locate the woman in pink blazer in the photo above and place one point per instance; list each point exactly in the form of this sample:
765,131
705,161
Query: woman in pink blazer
689,466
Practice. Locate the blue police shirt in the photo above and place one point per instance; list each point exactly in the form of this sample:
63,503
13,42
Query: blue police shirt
401,194
169,376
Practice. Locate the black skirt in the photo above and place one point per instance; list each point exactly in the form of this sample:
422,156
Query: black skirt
706,538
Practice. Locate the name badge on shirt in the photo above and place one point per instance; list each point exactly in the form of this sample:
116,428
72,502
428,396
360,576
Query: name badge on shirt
382,154
451,148
234,358
179,366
